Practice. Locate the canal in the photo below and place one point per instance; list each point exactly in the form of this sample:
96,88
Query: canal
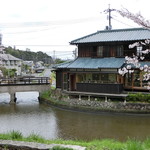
28,116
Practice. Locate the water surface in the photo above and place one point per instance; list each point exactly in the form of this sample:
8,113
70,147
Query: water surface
28,116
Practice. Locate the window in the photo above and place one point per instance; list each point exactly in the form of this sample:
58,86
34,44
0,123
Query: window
112,78
120,50
65,85
95,76
139,50
136,78
104,78
128,81
108,78
112,50
100,51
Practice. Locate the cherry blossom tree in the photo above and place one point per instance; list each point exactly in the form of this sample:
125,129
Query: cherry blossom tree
135,60
137,18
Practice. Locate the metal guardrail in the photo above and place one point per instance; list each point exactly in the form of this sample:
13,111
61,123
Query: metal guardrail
25,80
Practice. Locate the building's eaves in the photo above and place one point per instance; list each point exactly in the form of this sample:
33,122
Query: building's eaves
141,63
114,36
96,63
62,65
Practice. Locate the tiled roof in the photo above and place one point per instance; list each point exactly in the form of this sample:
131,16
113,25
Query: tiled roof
133,34
62,65
145,63
142,63
8,57
94,63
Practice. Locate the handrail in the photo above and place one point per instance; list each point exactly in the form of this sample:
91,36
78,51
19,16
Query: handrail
25,80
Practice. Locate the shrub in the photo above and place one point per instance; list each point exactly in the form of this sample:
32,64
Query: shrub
138,97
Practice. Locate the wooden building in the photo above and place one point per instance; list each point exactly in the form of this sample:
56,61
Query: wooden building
100,56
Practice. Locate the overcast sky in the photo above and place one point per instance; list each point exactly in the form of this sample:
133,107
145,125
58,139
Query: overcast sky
49,25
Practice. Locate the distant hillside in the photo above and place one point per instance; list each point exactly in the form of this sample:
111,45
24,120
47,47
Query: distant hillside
29,55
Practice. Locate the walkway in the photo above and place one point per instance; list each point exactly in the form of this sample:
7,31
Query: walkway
90,94
32,146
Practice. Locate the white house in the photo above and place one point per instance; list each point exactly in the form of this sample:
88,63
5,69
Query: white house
10,62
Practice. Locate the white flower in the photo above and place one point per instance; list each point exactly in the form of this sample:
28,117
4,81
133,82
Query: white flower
131,71
146,51
128,66
141,68
142,58
147,41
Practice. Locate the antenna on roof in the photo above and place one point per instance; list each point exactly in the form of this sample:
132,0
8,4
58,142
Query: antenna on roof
109,27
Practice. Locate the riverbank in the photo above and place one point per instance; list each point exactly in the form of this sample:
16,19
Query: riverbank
15,141
58,99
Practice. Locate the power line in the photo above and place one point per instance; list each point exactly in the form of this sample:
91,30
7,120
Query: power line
48,23
40,45
122,22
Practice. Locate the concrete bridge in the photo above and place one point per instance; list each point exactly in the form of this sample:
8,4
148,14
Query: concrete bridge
25,84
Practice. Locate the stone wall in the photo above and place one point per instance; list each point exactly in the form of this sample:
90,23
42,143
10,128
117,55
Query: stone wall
110,105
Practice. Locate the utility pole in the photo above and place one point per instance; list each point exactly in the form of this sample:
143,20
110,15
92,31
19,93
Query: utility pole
75,53
54,56
109,17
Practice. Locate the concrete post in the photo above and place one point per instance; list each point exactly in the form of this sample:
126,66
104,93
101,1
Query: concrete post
89,97
125,101
79,97
39,98
13,98
106,99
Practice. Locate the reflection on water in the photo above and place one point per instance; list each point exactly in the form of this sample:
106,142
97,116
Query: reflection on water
79,125
28,116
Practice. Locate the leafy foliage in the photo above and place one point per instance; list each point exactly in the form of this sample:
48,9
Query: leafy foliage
59,61
138,97
30,56
8,72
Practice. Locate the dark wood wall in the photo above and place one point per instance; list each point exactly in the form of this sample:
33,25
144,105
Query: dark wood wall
109,50
59,78
100,88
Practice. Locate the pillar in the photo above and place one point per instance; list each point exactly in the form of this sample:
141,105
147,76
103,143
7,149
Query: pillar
125,101
13,98
106,99
89,98
79,97
39,98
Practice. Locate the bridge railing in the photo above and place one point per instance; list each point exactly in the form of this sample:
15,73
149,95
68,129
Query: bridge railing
25,80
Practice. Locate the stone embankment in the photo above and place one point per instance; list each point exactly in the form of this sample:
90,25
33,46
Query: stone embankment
98,105
110,105
20,145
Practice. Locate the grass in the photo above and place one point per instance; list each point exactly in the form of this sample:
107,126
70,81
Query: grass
60,148
105,144
13,135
